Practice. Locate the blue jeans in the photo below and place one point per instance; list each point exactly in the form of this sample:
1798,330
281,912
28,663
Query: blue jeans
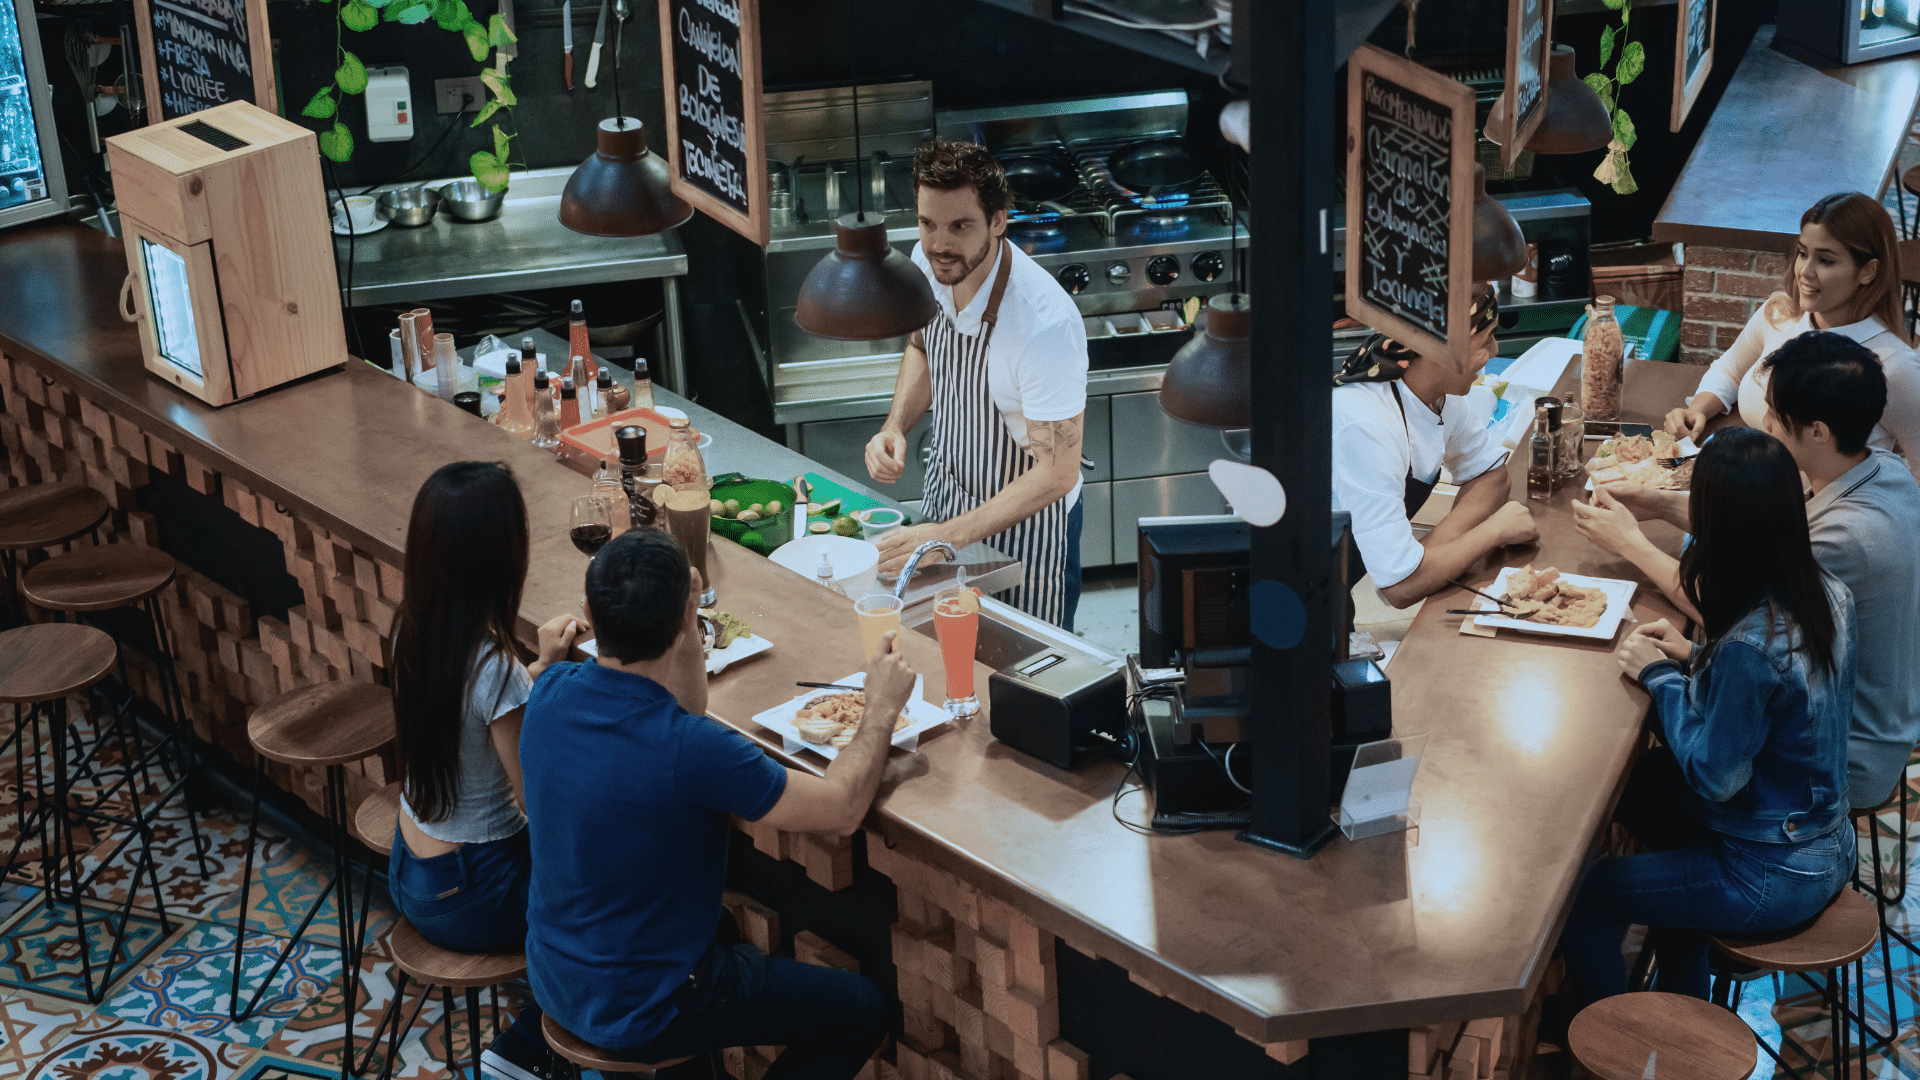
1076,520
830,1021
472,900
1694,883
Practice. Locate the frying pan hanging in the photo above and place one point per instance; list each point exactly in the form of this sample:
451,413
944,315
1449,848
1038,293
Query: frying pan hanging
1036,180
1154,165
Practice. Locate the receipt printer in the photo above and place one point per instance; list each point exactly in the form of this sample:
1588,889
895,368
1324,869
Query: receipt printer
1053,704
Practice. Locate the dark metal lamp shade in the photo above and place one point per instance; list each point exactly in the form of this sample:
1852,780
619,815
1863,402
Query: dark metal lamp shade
1499,251
1575,120
1209,381
623,189
864,289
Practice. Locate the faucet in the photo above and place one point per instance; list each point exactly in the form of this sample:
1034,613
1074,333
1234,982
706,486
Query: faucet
913,561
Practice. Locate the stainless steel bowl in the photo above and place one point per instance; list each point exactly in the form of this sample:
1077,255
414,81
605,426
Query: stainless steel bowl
410,206
468,201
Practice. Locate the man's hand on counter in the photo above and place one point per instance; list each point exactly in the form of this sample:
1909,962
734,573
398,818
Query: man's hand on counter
886,456
1514,524
557,636
896,546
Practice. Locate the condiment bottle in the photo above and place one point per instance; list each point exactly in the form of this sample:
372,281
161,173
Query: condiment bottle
607,485
823,576
529,363
1602,371
619,398
546,413
603,393
642,384
582,382
569,404
577,344
446,367
1543,449
515,415
684,468
632,441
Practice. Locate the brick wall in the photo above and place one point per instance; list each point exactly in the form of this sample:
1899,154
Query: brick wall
1724,287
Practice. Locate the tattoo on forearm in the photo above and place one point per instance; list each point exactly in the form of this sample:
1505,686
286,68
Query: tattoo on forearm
1051,438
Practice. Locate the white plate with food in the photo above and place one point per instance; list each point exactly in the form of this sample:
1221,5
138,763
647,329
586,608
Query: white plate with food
1571,605
1637,459
824,720
730,641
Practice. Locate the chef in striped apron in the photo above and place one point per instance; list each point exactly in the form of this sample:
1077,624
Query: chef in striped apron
1003,368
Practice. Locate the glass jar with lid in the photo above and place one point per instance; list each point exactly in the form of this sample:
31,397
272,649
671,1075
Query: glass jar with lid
683,469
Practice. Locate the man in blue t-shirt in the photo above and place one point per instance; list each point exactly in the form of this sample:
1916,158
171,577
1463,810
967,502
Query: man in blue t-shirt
628,790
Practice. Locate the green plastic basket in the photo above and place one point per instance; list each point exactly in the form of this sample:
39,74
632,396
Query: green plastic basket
769,532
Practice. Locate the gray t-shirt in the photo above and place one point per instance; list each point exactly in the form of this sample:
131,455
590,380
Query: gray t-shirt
1866,532
483,806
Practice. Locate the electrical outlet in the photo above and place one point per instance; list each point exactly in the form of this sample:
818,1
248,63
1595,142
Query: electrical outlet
458,95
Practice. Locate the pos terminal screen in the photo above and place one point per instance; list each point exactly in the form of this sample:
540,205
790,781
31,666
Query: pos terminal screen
172,307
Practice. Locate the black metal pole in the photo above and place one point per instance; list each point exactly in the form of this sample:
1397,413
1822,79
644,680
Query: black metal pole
1290,277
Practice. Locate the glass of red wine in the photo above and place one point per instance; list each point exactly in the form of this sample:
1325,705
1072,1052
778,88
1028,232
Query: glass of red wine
592,524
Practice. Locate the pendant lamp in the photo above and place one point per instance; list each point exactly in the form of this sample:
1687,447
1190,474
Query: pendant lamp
623,189
1499,251
1208,381
1575,120
864,289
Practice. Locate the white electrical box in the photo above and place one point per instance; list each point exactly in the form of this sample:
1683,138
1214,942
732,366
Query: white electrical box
389,105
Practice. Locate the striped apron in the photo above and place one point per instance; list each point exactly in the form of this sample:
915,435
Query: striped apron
975,457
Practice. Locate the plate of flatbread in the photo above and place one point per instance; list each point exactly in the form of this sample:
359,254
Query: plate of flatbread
825,721
1637,459
1572,605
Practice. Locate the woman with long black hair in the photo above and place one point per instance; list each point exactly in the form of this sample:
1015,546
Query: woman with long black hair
1745,804
459,868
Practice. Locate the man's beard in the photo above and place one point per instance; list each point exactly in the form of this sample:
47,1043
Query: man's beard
951,274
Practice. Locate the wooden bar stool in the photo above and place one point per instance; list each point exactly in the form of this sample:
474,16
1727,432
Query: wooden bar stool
1630,1036
43,516
101,579
40,665
1840,935
325,725
584,1055
1882,899
432,966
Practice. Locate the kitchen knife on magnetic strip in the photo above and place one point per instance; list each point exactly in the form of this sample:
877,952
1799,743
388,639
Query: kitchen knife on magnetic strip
566,40
599,36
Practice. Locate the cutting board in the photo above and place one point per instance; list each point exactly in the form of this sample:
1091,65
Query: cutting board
823,490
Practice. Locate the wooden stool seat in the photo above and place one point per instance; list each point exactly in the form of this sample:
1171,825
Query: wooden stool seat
1910,257
43,515
99,578
430,964
324,724
1687,1038
588,1056
45,661
377,817
1836,937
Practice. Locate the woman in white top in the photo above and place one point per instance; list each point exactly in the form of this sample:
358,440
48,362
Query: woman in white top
459,869
1843,275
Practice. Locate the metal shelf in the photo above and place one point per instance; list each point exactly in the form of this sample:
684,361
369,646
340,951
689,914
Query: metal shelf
1145,42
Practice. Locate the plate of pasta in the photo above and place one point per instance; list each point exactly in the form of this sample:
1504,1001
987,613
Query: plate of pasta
1572,605
824,721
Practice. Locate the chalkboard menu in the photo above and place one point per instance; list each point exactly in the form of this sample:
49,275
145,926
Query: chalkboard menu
1410,159
202,53
716,131
1529,39
1692,57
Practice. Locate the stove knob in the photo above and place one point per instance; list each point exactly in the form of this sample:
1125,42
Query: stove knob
1074,278
1118,273
1162,269
1208,265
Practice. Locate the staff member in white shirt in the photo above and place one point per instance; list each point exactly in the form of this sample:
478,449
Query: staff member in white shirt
1843,275
1397,418
1003,366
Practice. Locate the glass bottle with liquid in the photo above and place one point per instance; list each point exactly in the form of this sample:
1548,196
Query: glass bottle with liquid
603,393
569,404
684,468
546,413
515,415
642,384
1543,451
529,363
577,344
607,485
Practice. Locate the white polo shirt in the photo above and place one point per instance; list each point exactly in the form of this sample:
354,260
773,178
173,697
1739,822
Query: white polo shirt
1373,452
1037,357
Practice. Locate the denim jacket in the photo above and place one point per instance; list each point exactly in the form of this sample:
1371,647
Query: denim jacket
1759,732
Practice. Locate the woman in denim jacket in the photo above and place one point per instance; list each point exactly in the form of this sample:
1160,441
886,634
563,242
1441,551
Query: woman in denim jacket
1744,806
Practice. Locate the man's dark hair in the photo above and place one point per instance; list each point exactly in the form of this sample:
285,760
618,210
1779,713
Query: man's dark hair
1828,377
944,165
636,595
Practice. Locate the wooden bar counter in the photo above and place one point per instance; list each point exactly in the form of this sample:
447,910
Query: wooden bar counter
995,859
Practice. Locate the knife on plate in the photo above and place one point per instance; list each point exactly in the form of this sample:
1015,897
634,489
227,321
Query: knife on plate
566,39
593,54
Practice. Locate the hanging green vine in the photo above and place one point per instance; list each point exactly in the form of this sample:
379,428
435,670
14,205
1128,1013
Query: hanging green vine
1627,66
489,167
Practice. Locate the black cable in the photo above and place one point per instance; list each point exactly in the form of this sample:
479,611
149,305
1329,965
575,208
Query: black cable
346,294
422,159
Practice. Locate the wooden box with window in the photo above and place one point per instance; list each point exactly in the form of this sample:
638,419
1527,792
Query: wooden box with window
230,263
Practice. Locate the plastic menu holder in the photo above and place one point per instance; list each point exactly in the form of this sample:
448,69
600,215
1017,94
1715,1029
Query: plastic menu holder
1378,798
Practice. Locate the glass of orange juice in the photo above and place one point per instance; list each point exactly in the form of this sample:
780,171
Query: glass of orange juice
956,621
878,614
